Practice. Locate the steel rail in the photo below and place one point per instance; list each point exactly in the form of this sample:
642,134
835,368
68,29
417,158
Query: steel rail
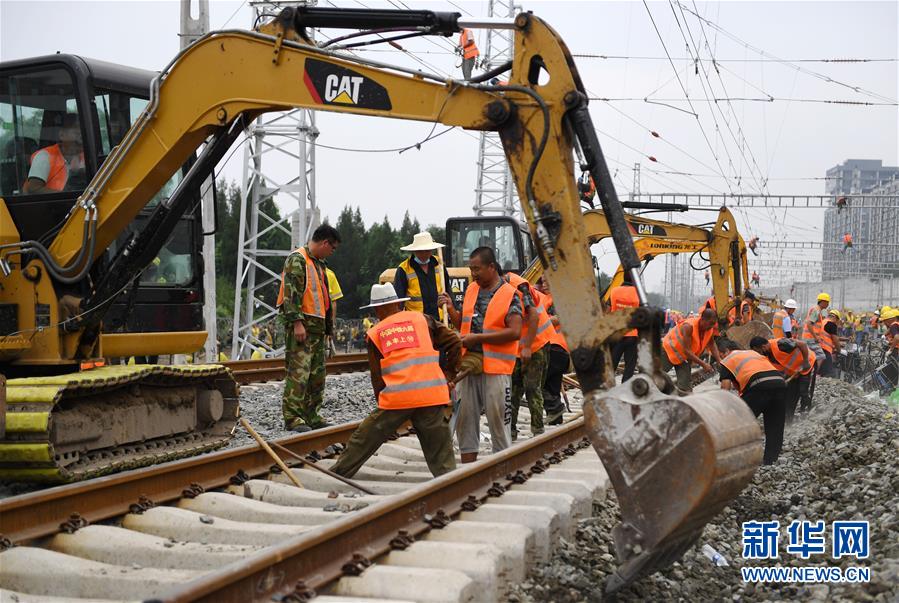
40,514
323,555
273,369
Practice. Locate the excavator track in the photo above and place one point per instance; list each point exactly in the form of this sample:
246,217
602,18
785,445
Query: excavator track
76,426
675,463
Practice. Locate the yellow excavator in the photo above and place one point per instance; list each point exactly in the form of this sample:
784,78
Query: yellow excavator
674,462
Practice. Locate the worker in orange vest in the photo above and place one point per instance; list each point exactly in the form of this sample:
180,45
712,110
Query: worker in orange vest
847,242
762,387
469,51
685,343
785,323
60,166
625,296
490,324
756,279
530,367
305,307
559,360
796,361
813,332
404,351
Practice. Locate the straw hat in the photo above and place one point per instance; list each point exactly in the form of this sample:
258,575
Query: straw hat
381,295
423,241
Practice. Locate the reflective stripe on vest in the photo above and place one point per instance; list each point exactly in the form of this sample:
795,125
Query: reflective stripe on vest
675,342
499,358
411,366
413,287
542,336
790,362
466,42
315,300
59,172
625,296
744,364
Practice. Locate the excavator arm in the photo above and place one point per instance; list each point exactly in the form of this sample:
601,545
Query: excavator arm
674,462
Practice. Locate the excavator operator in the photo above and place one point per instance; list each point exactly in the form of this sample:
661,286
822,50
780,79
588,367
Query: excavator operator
60,166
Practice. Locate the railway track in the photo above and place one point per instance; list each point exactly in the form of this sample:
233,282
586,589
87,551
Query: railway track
272,369
226,527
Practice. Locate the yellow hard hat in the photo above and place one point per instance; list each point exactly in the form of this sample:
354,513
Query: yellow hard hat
823,297
891,313
836,314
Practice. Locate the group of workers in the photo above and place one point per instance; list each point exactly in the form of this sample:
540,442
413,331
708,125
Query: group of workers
506,345
419,371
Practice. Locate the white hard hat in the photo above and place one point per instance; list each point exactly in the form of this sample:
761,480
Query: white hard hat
791,303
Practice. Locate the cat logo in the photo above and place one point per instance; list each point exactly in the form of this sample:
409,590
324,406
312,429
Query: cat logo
647,230
344,90
330,84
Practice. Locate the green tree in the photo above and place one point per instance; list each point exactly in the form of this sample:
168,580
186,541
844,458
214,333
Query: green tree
408,230
347,261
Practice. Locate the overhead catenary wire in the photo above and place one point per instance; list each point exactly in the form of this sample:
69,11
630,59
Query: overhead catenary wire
681,84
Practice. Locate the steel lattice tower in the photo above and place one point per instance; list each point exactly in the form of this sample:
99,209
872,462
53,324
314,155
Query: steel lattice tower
275,138
495,191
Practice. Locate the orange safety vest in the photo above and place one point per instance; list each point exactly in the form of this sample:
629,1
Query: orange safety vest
826,338
809,332
556,337
411,366
466,42
59,173
499,358
790,362
625,296
544,323
675,342
777,324
316,300
745,364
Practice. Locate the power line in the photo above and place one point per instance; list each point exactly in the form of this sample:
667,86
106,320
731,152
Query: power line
699,123
648,58
768,55
770,99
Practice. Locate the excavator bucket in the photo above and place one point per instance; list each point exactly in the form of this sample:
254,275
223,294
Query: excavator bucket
743,334
674,463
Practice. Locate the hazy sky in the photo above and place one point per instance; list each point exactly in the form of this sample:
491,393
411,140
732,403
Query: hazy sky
787,144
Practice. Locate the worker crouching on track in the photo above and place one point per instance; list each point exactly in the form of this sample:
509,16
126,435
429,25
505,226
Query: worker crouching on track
490,323
795,360
404,351
533,354
763,389
686,342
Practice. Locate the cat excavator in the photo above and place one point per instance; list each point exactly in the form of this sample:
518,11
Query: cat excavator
674,462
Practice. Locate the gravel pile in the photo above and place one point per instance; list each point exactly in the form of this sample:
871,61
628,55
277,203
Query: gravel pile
348,397
839,464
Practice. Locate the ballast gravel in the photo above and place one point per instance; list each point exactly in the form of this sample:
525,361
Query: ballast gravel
348,397
840,463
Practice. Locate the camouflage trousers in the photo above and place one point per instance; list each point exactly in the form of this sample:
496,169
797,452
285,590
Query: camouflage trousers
304,387
528,380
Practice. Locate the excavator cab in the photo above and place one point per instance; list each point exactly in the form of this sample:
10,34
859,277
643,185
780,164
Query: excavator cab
62,115
508,237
